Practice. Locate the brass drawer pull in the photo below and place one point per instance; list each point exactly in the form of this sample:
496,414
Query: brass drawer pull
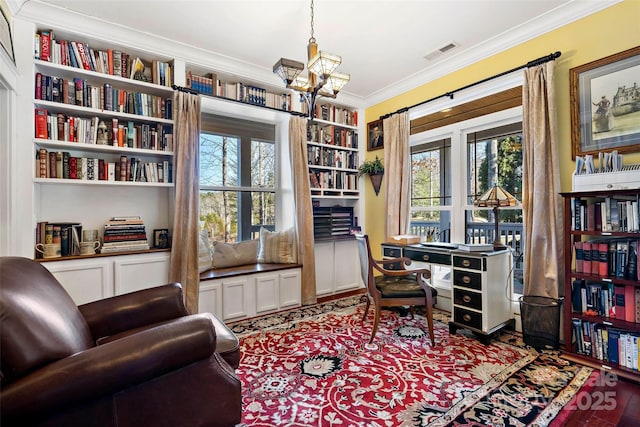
466,263
466,298
466,318
466,279
425,257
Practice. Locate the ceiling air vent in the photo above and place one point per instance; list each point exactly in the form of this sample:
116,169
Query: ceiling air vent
439,51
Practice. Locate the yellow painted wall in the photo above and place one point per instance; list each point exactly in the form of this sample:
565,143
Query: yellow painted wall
612,30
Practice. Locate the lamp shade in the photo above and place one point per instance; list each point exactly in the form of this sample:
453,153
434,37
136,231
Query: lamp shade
495,196
337,81
288,69
322,64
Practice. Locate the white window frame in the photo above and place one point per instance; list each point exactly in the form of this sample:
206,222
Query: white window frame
285,207
458,132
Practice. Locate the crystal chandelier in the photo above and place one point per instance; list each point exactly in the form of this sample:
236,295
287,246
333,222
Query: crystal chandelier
321,78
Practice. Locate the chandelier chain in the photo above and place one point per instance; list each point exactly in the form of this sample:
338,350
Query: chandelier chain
312,39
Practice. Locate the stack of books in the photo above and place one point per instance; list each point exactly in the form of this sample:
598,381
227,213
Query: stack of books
124,234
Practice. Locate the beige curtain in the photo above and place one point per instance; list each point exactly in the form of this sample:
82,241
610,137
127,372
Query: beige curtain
541,204
397,172
186,165
304,210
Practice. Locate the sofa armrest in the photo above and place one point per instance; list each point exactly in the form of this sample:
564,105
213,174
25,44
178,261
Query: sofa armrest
109,368
133,310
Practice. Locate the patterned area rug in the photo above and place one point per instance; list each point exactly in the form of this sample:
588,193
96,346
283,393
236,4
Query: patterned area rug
314,367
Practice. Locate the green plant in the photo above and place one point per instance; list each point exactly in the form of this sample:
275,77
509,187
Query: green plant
371,167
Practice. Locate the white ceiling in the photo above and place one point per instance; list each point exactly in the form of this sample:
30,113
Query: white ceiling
383,43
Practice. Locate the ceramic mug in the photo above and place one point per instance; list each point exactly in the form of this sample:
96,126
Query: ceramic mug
89,235
49,250
89,248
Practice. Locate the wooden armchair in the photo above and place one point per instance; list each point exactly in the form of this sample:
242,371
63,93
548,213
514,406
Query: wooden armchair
395,288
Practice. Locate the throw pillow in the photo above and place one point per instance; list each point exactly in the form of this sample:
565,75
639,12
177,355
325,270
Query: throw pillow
204,252
232,254
278,247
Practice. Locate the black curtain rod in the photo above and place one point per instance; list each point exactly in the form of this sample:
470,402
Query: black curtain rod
449,94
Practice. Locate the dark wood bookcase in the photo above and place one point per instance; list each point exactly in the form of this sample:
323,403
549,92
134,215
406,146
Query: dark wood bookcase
595,323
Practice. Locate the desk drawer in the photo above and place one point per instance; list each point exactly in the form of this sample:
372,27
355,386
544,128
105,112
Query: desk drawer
391,252
467,318
467,298
426,256
467,279
470,262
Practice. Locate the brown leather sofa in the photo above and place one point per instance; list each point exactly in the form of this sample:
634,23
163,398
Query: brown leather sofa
137,359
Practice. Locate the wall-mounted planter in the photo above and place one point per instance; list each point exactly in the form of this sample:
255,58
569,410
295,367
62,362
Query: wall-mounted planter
376,180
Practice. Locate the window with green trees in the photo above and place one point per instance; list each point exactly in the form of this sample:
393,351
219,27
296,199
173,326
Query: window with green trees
237,178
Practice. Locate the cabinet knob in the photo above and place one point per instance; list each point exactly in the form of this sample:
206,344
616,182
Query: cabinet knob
466,298
425,257
466,263
466,318
466,279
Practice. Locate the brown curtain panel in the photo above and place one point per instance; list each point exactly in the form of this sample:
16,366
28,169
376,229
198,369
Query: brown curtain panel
304,209
186,166
397,173
541,204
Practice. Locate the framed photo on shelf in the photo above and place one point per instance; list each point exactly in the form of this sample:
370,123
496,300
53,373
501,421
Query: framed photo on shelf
161,238
605,104
375,139
5,35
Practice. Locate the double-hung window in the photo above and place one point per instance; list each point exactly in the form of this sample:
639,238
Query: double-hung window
237,178
452,165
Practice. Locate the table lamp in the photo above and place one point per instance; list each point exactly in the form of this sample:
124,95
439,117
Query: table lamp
495,198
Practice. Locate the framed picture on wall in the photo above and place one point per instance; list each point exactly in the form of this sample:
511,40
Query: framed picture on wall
605,104
375,139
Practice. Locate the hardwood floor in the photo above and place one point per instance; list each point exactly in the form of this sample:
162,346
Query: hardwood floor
625,411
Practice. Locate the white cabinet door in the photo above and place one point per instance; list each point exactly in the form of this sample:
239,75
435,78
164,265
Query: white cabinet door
210,297
325,283
337,267
267,292
346,265
290,291
237,298
84,280
133,273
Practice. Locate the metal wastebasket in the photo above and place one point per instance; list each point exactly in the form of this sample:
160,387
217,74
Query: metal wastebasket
541,321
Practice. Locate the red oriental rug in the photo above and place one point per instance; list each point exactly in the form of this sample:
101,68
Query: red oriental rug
314,367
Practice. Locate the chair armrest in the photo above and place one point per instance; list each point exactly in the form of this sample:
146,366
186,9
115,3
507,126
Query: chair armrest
109,368
136,309
403,261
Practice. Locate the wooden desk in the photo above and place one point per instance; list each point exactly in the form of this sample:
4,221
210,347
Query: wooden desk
480,283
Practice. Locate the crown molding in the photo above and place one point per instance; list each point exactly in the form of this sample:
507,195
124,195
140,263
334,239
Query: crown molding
560,16
64,20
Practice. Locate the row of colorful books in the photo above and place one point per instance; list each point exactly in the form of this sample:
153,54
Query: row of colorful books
114,62
606,300
61,165
611,214
322,156
608,257
67,234
336,180
332,135
81,92
333,113
62,127
606,343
